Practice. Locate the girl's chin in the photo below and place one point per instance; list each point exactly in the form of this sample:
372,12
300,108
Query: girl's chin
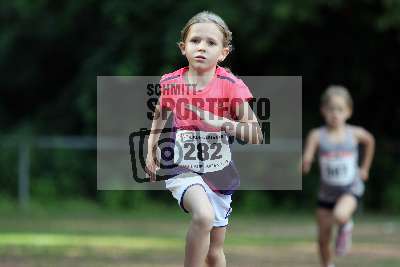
335,124
201,67
203,63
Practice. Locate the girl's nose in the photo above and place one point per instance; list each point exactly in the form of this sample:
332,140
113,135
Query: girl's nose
201,46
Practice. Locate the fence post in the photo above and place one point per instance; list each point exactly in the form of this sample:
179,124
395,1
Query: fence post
23,175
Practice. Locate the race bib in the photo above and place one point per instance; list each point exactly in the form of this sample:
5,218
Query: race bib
202,152
338,171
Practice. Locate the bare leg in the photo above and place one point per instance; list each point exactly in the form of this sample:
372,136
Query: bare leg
325,223
344,208
216,256
197,203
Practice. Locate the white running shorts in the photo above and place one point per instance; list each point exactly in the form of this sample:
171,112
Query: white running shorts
220,202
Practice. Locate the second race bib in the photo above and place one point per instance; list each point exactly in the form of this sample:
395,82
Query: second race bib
338,171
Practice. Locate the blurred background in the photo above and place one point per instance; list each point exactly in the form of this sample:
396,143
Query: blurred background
50,55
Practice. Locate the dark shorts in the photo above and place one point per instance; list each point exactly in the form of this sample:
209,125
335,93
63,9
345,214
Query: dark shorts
328,195
330,205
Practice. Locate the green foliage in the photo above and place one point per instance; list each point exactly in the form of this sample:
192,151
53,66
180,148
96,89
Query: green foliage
51,53
124,199
8,172
252,202
392,197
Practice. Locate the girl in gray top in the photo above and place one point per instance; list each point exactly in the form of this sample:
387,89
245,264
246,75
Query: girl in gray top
342,179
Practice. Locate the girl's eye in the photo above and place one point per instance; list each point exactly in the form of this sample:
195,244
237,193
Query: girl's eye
211,43
194,41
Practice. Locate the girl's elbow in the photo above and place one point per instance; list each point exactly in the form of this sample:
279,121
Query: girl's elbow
371,140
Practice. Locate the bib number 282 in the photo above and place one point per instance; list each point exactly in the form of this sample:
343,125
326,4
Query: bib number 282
203,151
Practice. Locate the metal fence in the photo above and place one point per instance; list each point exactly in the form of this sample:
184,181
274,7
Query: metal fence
25,146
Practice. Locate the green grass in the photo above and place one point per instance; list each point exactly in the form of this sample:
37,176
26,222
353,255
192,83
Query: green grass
95,237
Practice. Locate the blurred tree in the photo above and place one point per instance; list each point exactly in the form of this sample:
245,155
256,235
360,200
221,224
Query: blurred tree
51,53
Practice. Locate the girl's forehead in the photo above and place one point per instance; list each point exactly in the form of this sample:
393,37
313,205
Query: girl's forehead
337,100
205,29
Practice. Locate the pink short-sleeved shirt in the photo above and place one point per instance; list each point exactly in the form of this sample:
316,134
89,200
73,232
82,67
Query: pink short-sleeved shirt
222,94
195,146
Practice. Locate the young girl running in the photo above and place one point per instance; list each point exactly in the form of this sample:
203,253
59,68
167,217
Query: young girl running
342,180
208,104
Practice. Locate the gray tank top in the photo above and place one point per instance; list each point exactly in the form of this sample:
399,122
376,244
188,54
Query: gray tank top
338,162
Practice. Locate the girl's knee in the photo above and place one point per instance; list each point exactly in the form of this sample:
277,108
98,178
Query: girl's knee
344,209
204,219
340,216
324,237
323,241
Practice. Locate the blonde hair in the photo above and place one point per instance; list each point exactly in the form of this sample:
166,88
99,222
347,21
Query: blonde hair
207,16
337,90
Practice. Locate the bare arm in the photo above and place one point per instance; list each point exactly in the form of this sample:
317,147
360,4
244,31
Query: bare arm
159,120
367,139
309,150
246,129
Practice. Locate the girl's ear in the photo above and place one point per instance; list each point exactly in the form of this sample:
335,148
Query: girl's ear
224,54
350,113
181,46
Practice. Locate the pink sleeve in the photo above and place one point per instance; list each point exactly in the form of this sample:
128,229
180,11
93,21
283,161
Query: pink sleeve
165,99
238,94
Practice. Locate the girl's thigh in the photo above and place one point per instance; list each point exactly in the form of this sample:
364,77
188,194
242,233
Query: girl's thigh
196,200
345,207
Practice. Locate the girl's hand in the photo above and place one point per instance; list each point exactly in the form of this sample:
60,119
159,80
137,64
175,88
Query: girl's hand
208,117
151,165
364,174
305,166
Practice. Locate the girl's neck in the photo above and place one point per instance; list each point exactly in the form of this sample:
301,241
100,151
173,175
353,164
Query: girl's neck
201,79
336,129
